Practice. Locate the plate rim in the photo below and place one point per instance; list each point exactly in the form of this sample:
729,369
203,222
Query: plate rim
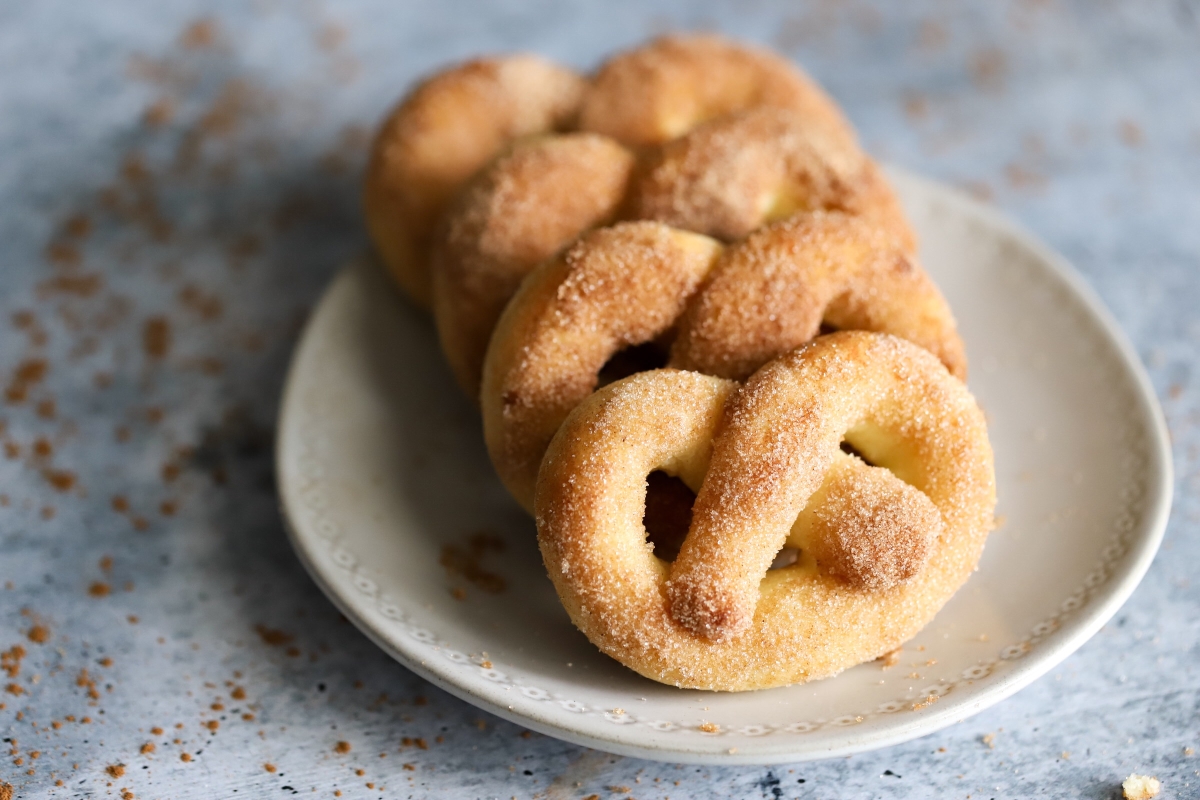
1143,546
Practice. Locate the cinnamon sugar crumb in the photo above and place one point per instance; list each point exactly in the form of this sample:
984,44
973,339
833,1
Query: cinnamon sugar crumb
115,770
269,767
1140,787
147,748
341,747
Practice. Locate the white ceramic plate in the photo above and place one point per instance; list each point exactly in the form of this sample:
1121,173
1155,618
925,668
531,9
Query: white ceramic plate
381,466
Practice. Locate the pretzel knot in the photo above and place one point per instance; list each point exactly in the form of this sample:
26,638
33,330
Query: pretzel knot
883,544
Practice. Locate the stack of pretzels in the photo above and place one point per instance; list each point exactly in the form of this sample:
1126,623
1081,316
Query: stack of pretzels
680,229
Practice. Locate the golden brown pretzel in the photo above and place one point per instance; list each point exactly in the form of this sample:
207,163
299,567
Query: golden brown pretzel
761,457
729,176
658,91
443,132
522,209
772,291
731,309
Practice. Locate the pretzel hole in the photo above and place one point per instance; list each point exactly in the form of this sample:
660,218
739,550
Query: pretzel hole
851,450
668,513
633,359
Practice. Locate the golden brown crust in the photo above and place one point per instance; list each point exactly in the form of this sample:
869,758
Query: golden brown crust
524,208
661,90
730,176
440,134
614,288
867,527
770,293
716,618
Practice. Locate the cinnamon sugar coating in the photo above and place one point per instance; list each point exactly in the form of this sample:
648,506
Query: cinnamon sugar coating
445,130
521,210
659,91
729,176
771,292
761,457
616,287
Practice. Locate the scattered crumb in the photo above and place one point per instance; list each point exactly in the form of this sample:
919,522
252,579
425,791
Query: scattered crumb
990,740
39,634
269,767
147,748
1065,755
185,756
341,747
891,658
1187,751
1140,787
115,770
710,727
99,589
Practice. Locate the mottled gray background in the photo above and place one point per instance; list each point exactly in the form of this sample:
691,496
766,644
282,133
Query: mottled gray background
174,197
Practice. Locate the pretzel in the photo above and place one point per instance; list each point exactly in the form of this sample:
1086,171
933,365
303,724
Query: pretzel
728,177
883,547
773,291
661,90
731,310
445,130
522,209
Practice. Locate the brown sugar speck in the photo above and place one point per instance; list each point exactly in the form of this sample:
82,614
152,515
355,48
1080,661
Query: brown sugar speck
106,662
115,770
199,35
28,373
46,409
157,731
891,658
217,706
159,113
99,589
465,562
168,508
238,693
15,689
39,634
272,636
140,523
42,448
156,337
147,748
62,480
120,504
12,450
341,747
185,756
269,767
6,791
1131,134
360,772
